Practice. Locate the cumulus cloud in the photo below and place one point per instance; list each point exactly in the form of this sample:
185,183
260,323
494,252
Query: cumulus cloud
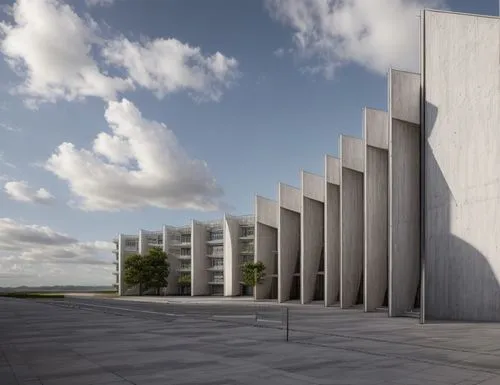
21,191
373,34
99,3
25,248
57,53
167,65
49,45
139,164
8,127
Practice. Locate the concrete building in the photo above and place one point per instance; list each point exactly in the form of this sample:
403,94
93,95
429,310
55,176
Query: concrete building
407,219
205,257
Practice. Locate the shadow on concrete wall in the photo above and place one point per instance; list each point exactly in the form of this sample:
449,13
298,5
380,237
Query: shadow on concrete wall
460,283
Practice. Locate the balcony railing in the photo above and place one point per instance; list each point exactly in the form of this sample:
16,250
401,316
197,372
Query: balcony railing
184,269
217,282
184,257
216,255
247,251
216,268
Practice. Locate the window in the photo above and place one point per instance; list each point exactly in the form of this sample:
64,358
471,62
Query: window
216,250
215,235
185,266
247,231
185,251
186,238
217,262
131,243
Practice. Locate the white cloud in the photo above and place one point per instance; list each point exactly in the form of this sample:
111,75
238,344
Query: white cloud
8,127
41,255
139,164
21,191
99,3
168,65
4,162
56,52
280,52
375,34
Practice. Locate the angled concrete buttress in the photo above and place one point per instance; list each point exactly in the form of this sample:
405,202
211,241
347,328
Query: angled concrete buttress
312,238
404,191
266,245
231,256
462,166
288,239
332,229
199,261
351,219
376,251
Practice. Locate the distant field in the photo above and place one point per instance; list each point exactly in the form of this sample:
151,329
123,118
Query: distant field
32,295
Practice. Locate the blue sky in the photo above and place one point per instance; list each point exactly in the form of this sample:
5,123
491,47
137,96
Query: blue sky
289,78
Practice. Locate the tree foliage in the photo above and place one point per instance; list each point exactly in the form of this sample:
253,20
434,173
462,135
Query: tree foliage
253,273
148,272
184,279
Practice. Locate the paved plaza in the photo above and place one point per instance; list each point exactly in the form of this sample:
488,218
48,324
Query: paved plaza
96,341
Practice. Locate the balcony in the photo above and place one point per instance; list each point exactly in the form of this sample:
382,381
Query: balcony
247,251
217,282
184,257
216,268
218,255
115,263
184,269
115,251
115,273
115,241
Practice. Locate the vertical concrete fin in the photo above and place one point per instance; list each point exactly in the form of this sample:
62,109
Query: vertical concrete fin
351,219
376,134
231,256
332,229
312,234
266,243
404,190
199,260
289,200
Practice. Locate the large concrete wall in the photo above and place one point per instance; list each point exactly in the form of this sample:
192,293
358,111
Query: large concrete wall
332,229
266,239
376,251
404,190
462,166
351,219
199,261
288,237
311,232
231,254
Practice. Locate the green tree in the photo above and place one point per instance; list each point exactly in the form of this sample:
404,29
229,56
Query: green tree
135,272
253,273
157,269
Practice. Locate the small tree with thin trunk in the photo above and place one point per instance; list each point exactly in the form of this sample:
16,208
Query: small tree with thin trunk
135,272
253,273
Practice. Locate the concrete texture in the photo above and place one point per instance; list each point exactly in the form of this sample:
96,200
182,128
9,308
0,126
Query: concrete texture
376,181
404,191
172,260
288,238
311,233
199,261
266,242
462,173
351,219
156,344
231,256
332,230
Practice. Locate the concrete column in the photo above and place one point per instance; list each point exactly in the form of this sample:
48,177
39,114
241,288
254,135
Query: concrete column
311,233
404,190
231,254
332,230
351,219
376,134
461,83
288,238
121,265
266,242
199,261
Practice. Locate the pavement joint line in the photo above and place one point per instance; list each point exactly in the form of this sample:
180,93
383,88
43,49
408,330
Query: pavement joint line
128,309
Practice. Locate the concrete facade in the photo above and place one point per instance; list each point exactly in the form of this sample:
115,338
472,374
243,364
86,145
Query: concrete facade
461,79
351,219
199,262
404,191
332,230
312,225
406,216
231,254
266,244
290,201
376,134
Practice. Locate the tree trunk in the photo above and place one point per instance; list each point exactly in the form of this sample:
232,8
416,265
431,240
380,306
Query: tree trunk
140,289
